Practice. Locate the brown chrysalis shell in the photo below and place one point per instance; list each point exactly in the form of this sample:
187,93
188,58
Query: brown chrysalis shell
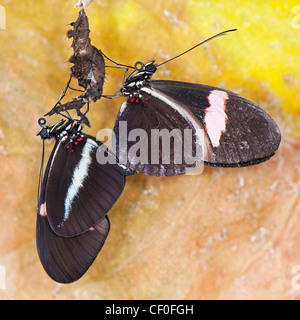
88,68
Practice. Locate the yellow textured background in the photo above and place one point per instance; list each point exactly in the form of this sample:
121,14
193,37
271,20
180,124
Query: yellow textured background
226,234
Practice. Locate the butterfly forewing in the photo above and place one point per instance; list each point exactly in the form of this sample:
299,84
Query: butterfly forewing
79,191
240,133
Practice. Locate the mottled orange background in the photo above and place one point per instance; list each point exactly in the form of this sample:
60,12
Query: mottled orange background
225,234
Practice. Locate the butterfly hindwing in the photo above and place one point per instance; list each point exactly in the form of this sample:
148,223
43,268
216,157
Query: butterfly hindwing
66,259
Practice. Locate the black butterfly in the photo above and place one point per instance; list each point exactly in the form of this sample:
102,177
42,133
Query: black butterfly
76,194
235,131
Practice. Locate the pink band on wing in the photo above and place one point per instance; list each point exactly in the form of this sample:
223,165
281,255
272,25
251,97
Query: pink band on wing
43,210
215,116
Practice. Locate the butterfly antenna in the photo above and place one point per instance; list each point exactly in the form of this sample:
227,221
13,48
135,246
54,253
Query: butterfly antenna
116,63
197,45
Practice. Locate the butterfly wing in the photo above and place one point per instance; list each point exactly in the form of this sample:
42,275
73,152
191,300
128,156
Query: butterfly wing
66,259
79,191
240,132
144,128
235,131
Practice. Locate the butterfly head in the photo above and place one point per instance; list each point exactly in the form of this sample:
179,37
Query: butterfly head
60,129
141,73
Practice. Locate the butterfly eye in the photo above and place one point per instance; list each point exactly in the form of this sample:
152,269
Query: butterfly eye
150,68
